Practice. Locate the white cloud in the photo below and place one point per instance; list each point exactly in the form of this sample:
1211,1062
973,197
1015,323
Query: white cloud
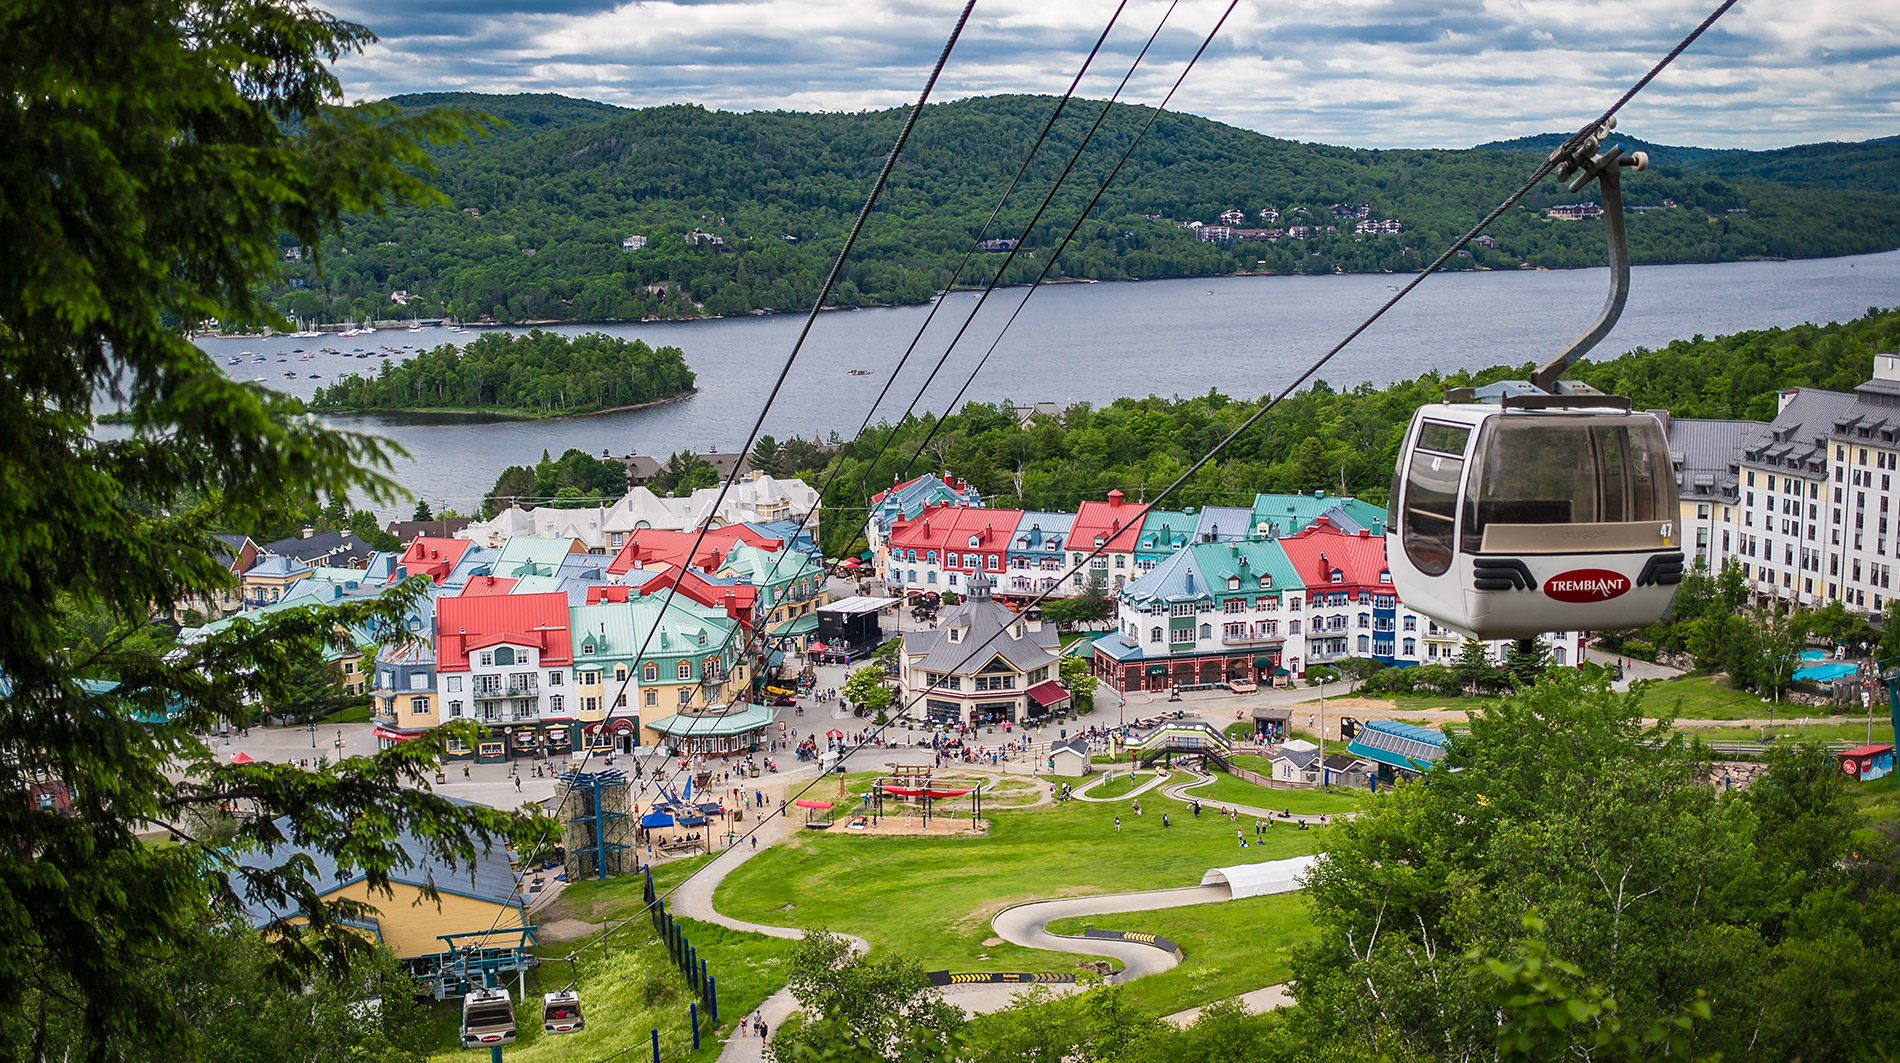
1369,73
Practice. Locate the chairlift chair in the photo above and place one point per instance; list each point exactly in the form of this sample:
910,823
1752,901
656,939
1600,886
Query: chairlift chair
1543,505
561,1012
488,1018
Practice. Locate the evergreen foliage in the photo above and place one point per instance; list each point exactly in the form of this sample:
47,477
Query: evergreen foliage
539,212
157,153
541,372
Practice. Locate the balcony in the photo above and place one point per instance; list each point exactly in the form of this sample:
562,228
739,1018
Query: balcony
1250,640
523,686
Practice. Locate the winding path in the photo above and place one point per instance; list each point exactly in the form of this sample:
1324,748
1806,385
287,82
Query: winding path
1083,794
1021,924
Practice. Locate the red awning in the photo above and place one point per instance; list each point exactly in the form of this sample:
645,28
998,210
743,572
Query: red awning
915,791
803,803
1048,694
242,758
834,733
392,736
849,562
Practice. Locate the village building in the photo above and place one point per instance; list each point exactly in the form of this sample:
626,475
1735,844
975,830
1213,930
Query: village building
982,665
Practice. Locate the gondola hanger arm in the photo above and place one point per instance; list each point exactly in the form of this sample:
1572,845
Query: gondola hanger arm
1582,166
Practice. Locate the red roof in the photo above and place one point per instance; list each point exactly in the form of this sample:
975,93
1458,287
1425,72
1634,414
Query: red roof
1118,521
431,557
480,586
651,547
464,624
949,528
737,599
1869,751
1322,547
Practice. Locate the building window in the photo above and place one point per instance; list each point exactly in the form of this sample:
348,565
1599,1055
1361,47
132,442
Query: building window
653,698
555,702
685,671
554,679
650,673
455,709
1154,634
455,684
686,696
1207,631
488,658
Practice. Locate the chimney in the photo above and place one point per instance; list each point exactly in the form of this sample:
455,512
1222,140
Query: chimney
308,531
1115,498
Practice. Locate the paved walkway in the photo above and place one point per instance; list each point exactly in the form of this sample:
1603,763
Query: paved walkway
1178,791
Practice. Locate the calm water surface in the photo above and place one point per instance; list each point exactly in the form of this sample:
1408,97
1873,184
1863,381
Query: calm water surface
1245,336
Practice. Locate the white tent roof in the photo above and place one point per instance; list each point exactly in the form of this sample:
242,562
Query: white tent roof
858,604
1258,880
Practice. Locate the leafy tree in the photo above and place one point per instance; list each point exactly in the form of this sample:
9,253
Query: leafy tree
886,1003
866,687
541,372
1550,1012
682,474
1781,643
422,511
1562,801
1726,642
1080,682
1890,631
1731,585
1833,622
144,194
1473,668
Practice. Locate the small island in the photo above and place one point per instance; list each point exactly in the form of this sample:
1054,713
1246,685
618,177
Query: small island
539,374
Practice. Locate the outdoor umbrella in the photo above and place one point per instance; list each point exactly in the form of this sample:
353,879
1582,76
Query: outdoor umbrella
242,758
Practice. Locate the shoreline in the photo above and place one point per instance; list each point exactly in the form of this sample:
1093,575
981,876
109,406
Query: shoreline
586,322
467,416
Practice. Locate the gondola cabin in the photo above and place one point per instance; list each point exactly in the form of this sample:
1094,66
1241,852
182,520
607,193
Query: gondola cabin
488,1018
561,1012
1535,513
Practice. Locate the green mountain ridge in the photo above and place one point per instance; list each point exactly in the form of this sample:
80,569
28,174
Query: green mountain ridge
1866,165
742,213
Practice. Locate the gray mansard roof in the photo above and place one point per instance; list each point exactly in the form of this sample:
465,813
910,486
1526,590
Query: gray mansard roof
983,631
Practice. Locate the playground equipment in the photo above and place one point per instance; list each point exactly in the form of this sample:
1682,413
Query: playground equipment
1181,738
917,790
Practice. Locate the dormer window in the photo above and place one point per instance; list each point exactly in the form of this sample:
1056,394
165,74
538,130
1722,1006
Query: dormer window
1266,580
587,648
1233,583
975,540
953,635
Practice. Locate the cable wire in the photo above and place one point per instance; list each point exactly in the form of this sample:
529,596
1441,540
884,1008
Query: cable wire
1537,176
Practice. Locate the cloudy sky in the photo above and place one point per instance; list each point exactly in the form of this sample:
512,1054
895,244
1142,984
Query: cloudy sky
1365,73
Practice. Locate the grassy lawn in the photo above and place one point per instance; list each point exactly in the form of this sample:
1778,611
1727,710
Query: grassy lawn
353,714
1702,698
1794,731
932,898
632,986
1228,790
1124,782
1231,948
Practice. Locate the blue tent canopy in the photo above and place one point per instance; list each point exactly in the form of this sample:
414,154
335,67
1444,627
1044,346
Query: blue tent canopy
656,819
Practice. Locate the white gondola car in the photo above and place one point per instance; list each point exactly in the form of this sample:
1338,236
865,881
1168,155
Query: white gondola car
1537,514
488,1018
561,1012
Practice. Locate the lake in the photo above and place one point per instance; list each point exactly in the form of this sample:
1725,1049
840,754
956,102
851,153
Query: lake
1245,336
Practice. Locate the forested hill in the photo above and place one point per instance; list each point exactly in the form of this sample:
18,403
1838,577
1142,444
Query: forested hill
1866,166
540,374
743,212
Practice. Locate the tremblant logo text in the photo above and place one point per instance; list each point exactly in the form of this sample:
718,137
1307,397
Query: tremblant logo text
1586,585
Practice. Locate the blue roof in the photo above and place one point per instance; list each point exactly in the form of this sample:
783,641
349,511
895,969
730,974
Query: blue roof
1040,534
1175,578
1399,745
1223,523
491,878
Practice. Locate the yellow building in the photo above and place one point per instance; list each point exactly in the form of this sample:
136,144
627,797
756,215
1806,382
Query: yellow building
478,907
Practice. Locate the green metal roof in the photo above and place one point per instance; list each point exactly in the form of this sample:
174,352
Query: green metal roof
804,625
751,718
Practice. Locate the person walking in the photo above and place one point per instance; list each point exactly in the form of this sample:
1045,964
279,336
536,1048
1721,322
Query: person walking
517,784
1118,824
1164,820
